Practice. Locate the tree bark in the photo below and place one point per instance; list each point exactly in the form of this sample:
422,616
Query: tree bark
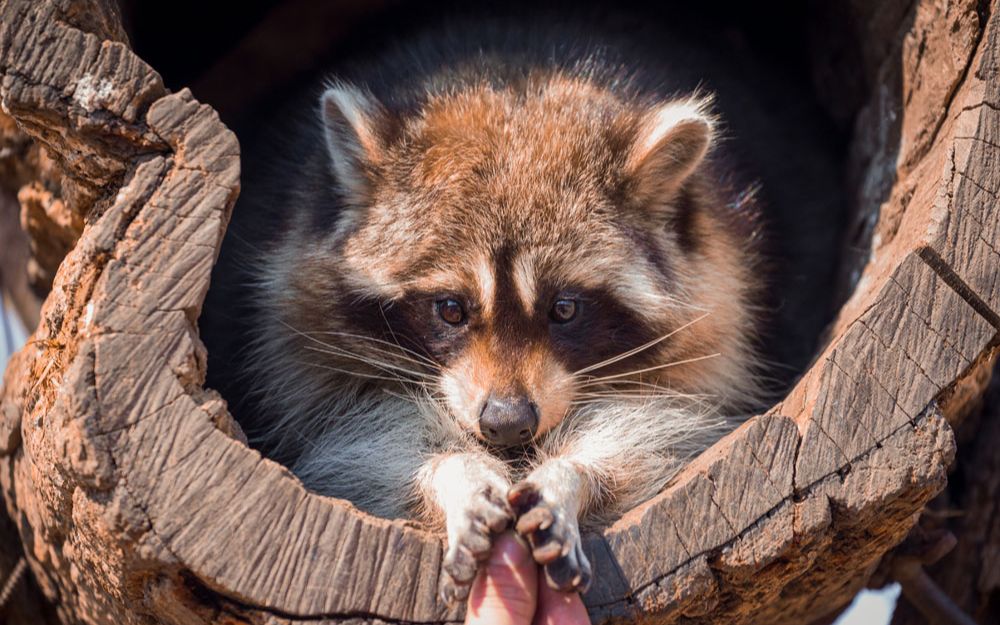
135,504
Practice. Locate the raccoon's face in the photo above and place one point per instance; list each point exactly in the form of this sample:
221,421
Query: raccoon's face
525,242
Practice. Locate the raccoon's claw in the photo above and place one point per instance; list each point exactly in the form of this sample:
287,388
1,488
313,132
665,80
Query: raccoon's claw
570,572
452,591
470,540
554,538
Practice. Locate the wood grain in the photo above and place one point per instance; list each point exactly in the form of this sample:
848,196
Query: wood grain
136,504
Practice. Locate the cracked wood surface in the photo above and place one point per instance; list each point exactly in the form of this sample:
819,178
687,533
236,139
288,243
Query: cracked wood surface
970,574
135,503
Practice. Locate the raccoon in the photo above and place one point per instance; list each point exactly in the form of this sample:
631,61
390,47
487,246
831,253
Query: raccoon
505,285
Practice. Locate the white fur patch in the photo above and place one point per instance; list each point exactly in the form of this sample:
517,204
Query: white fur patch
671,116
462,395
559,483
525,281
627,450
486,282
455,478
671,145
638,287
347,125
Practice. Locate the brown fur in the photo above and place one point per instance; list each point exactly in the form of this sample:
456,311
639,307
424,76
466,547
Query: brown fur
506,197
540,175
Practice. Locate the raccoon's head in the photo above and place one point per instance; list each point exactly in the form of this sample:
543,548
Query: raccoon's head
536,243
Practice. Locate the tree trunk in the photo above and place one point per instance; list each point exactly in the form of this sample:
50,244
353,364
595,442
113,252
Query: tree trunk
135,503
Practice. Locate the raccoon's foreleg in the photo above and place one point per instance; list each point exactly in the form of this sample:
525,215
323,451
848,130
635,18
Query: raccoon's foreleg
469,490
548,504
598,463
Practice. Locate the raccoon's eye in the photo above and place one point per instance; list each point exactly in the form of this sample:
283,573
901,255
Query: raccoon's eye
563,310
451,311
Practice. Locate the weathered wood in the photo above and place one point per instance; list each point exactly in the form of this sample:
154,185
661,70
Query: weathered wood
970,574
136,501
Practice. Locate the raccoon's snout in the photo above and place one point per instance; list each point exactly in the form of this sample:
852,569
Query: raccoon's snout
508,420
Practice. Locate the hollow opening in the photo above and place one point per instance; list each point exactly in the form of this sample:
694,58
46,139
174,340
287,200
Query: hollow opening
217,510
791,78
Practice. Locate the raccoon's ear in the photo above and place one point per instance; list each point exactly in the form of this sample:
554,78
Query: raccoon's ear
672,141
350,117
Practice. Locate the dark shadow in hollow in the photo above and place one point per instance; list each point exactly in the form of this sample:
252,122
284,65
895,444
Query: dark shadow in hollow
787,139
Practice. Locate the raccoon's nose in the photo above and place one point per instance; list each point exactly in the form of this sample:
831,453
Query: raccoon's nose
508,420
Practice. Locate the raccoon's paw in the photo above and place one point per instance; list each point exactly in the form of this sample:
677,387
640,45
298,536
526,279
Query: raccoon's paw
554,537
470,539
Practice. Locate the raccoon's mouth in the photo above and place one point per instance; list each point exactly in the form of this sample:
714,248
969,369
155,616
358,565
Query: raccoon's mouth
516,455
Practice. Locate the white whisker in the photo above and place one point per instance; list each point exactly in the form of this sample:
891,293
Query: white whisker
641,348
358,374
377,350
421,357
386,366
596,381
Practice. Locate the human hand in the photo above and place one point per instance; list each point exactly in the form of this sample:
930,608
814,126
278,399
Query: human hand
509,591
